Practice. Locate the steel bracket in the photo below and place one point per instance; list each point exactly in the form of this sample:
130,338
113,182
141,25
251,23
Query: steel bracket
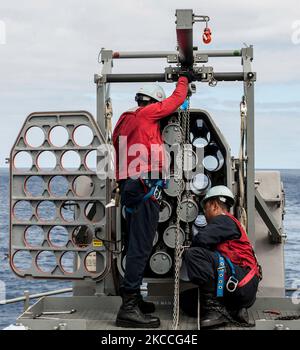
275,233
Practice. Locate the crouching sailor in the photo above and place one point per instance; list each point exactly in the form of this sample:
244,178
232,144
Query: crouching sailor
221,261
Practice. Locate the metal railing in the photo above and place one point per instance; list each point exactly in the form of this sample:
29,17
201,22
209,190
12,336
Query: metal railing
27,297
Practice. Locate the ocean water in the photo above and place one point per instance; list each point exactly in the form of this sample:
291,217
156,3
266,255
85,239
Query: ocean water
291,183
16,286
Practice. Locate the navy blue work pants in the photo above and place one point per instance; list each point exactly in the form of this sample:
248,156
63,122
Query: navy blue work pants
141,227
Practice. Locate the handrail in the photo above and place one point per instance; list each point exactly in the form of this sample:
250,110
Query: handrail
63,291
35,296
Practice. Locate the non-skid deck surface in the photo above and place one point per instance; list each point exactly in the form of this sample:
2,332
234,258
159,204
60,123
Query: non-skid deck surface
99,313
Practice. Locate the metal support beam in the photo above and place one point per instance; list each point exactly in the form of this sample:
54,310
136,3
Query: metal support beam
166,54
103,90
142,54
153,77
247,57
268,218
250,162
184,31
134,77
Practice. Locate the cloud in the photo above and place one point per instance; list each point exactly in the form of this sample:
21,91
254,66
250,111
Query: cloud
52,46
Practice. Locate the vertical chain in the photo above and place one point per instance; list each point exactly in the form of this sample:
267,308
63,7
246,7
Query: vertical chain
187,141
187,113
242,211
184,119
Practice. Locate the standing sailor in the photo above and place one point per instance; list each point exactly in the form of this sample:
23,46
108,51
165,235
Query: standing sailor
137,131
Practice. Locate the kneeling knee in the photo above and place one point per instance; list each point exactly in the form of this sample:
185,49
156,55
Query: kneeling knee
189,254
193,252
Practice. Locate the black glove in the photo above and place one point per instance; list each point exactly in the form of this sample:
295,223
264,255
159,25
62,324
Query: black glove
190,75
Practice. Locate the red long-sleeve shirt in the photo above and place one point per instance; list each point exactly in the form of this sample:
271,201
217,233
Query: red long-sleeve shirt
137,138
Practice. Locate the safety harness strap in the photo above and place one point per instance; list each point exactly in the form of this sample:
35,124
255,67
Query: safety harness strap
232,283
221,276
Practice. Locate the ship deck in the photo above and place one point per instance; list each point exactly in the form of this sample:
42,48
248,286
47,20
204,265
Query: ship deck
99,313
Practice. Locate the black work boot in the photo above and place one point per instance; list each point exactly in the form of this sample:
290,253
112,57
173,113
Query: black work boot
240,315
213,313
130,315
145,307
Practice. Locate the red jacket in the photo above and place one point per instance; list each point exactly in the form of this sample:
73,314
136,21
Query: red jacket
142,129
240,250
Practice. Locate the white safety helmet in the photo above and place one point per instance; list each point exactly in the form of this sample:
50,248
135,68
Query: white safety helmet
223,193
150,91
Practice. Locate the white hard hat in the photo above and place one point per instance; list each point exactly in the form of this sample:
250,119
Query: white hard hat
154,91
221,192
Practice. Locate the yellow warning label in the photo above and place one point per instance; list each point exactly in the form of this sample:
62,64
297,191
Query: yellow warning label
97,243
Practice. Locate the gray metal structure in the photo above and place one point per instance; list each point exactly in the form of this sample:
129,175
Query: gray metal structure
83,227
264,199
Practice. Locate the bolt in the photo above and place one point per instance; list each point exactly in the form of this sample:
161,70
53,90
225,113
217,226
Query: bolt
279,327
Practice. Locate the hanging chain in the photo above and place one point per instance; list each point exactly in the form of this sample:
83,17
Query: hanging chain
230,319
188,123
183,118
242,213
187,142
288,318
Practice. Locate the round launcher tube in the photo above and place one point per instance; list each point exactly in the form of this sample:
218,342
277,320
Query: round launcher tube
199,176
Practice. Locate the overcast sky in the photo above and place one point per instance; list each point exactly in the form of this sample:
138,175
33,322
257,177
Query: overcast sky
51,50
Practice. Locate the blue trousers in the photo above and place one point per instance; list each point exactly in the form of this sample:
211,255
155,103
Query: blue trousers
141,227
